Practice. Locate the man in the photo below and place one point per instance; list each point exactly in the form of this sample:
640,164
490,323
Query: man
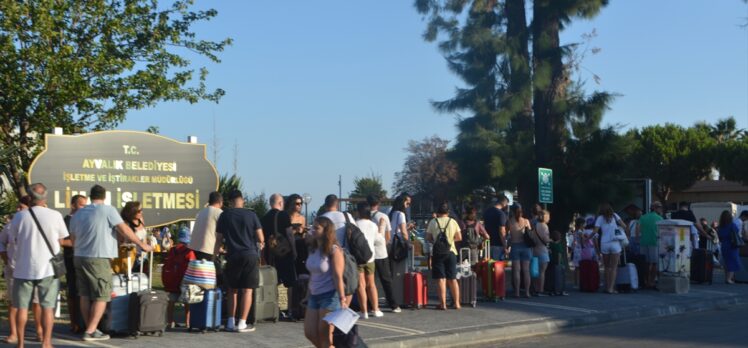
381,257
277,224
94,245
7,252
337,218
33,271
647,232
76,203
203,238
494,220
684,213
241,233
742,223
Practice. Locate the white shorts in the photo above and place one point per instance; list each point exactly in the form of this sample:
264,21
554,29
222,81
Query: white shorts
613,247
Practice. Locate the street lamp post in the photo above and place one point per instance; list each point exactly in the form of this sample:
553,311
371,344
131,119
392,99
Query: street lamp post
307,199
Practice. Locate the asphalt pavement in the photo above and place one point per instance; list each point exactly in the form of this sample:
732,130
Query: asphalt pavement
489,322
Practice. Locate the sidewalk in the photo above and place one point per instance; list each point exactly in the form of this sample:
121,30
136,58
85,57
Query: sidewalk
488,322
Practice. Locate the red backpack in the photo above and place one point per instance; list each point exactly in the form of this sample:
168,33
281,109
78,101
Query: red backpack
175,266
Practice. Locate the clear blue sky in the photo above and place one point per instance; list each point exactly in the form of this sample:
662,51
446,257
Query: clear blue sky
320,88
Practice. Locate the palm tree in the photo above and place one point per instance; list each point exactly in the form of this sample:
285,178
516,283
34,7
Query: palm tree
725,131
226,184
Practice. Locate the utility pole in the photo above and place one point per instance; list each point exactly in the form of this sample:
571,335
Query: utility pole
215,142
236,156
340,190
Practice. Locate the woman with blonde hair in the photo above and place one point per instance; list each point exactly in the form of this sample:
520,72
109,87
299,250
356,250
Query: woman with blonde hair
325,264
612,230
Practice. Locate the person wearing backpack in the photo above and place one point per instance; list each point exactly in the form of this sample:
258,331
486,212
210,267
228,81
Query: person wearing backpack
338,218
474,234
443,232
177,259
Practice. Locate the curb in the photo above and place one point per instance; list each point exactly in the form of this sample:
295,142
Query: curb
459,337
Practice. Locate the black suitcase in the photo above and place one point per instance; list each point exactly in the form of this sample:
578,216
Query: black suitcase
265,297
147,312
298,294
555,279
702,266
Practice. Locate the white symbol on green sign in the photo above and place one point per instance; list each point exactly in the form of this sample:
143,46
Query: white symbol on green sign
545,185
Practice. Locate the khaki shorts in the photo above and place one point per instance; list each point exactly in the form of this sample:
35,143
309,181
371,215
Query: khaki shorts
94,278
23,292
367,269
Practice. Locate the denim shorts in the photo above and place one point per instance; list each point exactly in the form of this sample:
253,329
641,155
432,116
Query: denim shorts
520,252
544,258
329,301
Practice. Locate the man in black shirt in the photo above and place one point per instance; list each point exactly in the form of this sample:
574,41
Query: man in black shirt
240,231
494,219
684,213
277,227
77,202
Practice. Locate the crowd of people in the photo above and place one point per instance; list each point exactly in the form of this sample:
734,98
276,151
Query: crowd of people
91,235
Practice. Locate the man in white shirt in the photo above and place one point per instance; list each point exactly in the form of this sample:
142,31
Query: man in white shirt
381,257
338,218
33,269
203,238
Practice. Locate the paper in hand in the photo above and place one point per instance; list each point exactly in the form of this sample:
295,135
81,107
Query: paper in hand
343,319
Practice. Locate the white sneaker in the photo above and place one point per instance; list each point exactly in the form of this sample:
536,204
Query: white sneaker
397,310
363,315
378,314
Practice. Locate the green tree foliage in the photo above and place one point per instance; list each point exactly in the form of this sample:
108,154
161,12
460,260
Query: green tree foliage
227,184
81,65
427,170
673,156
258,204
368,185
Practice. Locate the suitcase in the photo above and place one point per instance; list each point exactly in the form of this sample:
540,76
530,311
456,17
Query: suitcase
415,288
627,278
741,276
265,297
116,318
589,276
148,308
206,315
492,276
555,279
298,294
702,266
467,281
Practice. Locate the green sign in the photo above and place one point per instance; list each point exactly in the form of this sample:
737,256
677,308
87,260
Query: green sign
545,185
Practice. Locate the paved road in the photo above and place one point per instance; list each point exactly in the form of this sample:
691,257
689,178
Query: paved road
720,328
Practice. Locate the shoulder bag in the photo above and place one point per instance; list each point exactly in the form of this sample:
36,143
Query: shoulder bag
57,260
279,245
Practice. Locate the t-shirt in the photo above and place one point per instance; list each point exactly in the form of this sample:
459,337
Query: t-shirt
493,219
607,228
380,243
238,227
648,229
370,231
338,219
8,246
32,254
683,215
398,218
92,227
203,238
450,226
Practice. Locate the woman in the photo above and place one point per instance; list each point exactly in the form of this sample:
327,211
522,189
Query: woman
521,253
325,264
542,237
474,234
444,266
398,220
730,252
585,244
293,205
611,229
366,283
132,214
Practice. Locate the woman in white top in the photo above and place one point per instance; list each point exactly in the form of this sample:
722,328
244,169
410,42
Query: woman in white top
381,256
610,227
366,282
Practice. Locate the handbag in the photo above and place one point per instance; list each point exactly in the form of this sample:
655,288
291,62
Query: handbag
57,260
190,294
398,249
736,238
201,273
279,245
621,237
527,238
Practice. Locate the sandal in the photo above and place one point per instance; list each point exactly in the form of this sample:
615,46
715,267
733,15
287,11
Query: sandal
8,340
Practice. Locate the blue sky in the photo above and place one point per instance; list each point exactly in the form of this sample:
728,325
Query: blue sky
315,89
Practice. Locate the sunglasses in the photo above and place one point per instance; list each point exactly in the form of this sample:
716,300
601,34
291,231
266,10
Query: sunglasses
298,203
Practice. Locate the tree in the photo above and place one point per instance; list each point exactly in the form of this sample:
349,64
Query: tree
523,106
427,170
228,184
82,65
726,130
257,203
673,156
368,185
731,158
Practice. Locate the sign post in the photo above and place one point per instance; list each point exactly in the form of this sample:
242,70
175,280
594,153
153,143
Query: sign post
545,185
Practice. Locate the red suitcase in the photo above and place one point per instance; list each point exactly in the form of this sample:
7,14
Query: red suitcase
498,284
416,288
589,276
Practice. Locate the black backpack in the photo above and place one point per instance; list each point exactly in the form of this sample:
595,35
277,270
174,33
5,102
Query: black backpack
441,244
356,242
472,237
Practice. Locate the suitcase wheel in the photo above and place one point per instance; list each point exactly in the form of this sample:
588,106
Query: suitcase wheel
161,333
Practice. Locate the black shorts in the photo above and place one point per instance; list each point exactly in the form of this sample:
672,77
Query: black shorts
242,271
444,266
